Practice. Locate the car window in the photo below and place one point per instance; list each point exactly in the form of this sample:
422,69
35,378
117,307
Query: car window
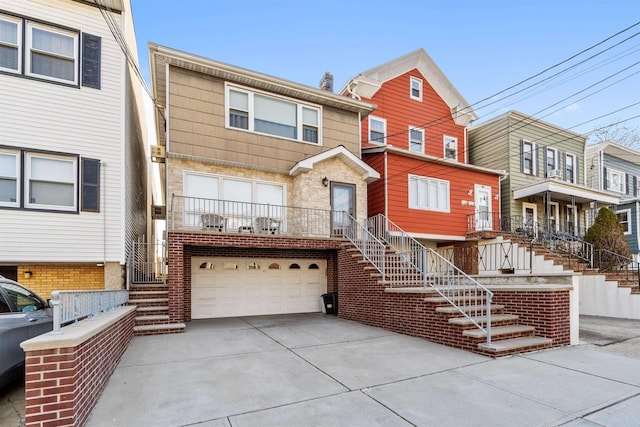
4,306
24,300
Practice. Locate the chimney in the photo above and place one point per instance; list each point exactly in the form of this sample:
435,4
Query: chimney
326,83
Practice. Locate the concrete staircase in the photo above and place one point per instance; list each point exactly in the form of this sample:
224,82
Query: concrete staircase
152,312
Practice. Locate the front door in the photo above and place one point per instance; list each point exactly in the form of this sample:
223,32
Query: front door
483,207
343,198
530,215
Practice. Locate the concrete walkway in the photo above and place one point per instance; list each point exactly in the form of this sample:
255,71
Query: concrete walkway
318,370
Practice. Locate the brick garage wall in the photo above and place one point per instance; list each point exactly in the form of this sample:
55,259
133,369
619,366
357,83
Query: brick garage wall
362,299
46,278
548,311
62,385
183,246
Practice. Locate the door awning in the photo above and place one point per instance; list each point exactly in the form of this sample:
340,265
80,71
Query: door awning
565,191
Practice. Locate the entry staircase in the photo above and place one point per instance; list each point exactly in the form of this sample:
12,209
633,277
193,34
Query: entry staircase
399,261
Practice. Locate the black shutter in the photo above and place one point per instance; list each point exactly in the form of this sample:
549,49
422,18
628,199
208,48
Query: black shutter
564,166
91,46
576,160
536,159
604,178
635,186
90,185
522,156
627,190
546,153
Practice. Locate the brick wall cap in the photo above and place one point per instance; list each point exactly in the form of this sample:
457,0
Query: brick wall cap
74,335
529,288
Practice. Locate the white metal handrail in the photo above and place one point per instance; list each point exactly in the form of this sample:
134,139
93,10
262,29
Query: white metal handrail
72,306
371,248
412,264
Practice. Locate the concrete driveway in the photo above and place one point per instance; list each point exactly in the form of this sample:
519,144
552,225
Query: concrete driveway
317,370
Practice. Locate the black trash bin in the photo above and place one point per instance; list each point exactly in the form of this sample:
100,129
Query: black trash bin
330,302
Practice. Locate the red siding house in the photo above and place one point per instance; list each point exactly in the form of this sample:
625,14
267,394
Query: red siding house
417,140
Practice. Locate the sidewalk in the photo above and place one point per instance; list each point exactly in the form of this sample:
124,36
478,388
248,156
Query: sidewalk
317,370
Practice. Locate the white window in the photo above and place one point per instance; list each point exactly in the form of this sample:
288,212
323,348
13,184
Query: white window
416,140
570,168
551,165
529,158
52,53
416,89
262,113
624,218
428,193
9,178
450,147
51,182
615,181
10,46
377,130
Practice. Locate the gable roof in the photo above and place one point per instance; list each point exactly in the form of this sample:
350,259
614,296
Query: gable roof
368,173
616,150
368,83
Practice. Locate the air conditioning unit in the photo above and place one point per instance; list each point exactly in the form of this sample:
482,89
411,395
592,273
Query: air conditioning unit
554,173
157,153
158,212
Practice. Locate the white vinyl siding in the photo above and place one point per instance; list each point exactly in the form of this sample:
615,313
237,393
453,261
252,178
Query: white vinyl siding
428,193
377,130
269,115
416,140
71,120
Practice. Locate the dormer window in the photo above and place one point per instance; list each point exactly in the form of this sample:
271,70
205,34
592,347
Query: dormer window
450,147
416,89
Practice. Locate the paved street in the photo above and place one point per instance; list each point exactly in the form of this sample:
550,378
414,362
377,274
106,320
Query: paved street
319,370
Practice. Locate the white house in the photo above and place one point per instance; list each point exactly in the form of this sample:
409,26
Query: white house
73,154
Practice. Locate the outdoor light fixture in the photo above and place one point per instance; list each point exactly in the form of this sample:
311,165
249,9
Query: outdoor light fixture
27,274
325,181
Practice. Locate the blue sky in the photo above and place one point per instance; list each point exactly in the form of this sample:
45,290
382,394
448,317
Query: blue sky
483,47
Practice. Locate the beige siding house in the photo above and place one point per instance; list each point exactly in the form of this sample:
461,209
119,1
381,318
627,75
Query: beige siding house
261,175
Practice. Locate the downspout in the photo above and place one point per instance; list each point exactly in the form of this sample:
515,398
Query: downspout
103,166
386,187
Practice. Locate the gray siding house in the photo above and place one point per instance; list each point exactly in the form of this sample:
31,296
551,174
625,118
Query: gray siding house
545,189
615,169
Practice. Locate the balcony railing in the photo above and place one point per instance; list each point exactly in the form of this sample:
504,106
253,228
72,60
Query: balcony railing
532,227
227,216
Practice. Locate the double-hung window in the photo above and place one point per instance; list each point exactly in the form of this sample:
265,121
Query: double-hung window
623,216
551,162
10,47
528,158
9,178
450,147
428,193
266,114
416,89
615,180
570,168
52,53
377,130
416,140
51,182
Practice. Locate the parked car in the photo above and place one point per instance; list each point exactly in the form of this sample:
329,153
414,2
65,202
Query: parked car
23,315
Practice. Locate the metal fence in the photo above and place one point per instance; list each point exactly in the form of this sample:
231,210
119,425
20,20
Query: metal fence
147,263
72,306
244,217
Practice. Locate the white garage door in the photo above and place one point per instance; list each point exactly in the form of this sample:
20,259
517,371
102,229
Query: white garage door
228,287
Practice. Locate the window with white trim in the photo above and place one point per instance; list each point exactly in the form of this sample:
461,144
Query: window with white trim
416,140
428,193
624,218
416,89
570,168
52,53
10,46
51,182
270,115
377,130
9,178
615,180
450,147
529,158
551,162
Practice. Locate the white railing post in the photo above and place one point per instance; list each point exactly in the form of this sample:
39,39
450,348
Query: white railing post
55,304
